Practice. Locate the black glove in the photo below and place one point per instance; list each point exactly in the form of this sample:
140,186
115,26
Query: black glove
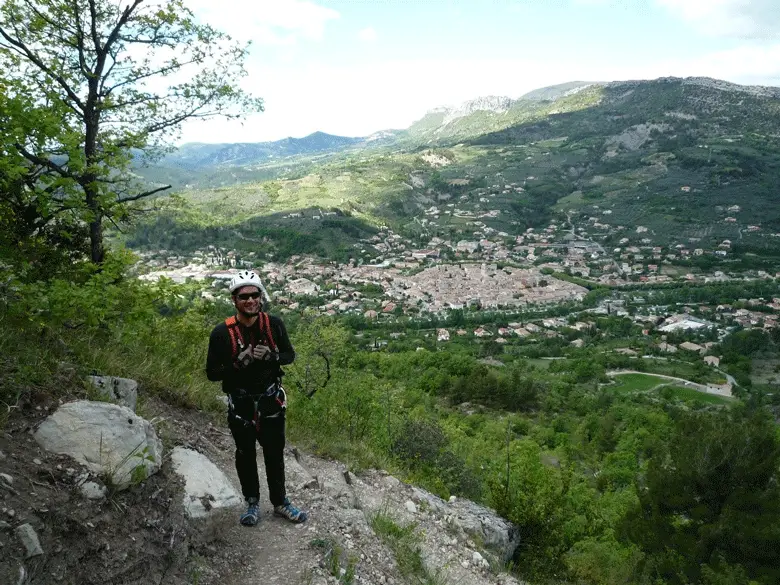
245,358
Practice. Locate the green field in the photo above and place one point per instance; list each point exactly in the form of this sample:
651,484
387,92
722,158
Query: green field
645,382
691,395
636,382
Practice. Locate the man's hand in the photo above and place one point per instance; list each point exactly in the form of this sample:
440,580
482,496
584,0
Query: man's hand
261,352
244,358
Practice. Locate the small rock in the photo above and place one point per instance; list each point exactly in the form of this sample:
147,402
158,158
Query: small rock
452,499
7,479
11,513
2,456
29,538
93,490
37,461
411,507
4,525
464,564
478,559
309,484
390,482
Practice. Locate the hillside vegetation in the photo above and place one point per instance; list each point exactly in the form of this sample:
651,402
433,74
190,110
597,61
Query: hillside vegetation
674,156
590,424
599,478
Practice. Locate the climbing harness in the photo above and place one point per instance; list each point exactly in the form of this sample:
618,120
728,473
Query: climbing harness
269,404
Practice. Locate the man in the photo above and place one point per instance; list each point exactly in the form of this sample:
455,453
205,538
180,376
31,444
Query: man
245,353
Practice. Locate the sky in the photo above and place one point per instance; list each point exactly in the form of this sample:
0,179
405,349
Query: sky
354,67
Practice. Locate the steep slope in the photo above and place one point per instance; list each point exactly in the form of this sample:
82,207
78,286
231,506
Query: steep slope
485,115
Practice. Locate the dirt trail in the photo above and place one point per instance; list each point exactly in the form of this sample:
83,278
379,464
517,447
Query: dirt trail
275,551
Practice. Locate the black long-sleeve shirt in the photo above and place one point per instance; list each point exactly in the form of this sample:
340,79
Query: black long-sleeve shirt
257,376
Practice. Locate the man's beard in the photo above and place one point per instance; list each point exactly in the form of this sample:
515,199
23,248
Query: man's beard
252,313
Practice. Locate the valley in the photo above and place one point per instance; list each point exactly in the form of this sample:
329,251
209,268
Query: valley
531,336
528,306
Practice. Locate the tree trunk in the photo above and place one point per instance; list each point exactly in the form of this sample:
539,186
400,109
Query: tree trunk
96,240
97,251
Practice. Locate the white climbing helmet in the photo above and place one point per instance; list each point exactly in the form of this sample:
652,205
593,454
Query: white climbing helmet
247,278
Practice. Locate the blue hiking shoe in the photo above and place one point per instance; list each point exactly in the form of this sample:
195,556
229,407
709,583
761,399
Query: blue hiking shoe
252,514
290,512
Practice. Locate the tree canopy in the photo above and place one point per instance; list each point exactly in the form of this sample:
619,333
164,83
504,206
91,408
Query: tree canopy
90,86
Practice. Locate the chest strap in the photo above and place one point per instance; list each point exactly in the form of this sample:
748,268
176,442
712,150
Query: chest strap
237,339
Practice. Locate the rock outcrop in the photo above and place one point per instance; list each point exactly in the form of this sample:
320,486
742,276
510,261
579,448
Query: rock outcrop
110,440
122,391
206,488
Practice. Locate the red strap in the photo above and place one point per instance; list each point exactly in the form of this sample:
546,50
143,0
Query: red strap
235,334
265,327
237,340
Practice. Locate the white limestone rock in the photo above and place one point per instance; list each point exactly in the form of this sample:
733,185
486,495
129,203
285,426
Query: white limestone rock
206,488
110,440
123,391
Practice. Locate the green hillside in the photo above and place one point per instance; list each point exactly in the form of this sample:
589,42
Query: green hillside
672,156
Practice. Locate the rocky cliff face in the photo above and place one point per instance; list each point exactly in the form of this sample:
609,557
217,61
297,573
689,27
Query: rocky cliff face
497,104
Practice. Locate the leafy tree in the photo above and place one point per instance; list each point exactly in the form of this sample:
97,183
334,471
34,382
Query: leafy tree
711,500
118,78
34,226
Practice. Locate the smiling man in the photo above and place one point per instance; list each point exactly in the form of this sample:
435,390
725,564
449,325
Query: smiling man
245,353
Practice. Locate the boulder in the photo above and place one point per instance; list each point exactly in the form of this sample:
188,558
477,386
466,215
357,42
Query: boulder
110,440
206,488
123,391
496,533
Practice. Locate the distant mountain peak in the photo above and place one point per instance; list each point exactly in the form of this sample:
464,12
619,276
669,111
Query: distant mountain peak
561,90
490,103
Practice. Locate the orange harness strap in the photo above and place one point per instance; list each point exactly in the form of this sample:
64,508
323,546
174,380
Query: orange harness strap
237,340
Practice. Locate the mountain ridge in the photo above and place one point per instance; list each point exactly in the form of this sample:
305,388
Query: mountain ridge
440,123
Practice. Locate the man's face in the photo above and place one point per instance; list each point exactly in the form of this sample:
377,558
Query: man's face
247,300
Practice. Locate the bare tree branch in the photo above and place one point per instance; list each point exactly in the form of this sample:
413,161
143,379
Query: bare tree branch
44,162
93,25
161,71
142,195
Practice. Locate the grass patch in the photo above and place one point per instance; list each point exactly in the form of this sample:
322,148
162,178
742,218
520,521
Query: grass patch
34,365
636,382
339,565
539,363
765,371
691,395
404,541
680,369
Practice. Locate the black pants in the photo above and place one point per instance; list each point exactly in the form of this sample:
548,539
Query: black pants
271,438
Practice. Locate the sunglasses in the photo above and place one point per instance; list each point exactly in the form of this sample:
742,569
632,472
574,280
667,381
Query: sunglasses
247,296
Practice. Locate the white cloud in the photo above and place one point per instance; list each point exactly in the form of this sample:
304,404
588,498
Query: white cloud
271,22
367,34
756,19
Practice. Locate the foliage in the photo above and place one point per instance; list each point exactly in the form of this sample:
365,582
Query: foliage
98,66
404,541
712,499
